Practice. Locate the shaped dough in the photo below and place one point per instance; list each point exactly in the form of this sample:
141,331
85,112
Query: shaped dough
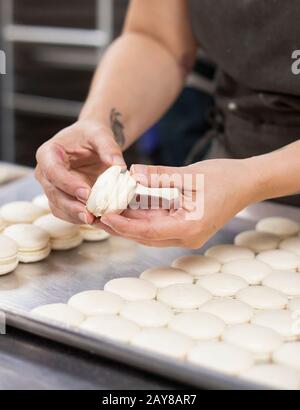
261,297
222,284
132,289
197,265
280,260
198,325
282,227
252,271
221,356
111,326
257,241
163,341
259,340
285,282
94,302
183,296
231,311
165,276
228,253
147,313
283,322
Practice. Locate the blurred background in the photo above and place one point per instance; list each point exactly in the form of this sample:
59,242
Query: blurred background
52,49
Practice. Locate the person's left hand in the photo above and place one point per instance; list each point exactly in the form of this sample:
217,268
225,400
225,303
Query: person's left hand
212,192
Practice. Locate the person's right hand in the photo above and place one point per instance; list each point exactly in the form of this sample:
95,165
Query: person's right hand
69,164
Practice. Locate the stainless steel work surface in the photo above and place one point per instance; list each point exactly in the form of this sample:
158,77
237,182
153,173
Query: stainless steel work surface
90,266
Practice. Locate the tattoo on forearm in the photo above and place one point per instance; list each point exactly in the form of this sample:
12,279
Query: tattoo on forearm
117,127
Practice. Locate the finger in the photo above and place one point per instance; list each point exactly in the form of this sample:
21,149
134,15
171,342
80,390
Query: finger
168,227
161,244
103,142
98,224
145,213
65,207
158,176
54,166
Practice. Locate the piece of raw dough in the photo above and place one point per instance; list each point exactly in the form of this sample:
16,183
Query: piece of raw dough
183,296
282,227
222,284
288,355
94,302
252,271
261,297
111,326
291,244
59,312
147,313
197,265
294,305
274,376
221,356
231,311
227,253
197,325
259,340
257,241
283,322
285,281
279,259
163,341
163,276
132,289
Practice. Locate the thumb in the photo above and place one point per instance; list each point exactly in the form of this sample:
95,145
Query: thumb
158,176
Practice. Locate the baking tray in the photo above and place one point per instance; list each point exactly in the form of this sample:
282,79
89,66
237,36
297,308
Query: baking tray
90,266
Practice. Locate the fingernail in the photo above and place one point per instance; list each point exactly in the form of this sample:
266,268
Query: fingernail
82,194
117,160
82,216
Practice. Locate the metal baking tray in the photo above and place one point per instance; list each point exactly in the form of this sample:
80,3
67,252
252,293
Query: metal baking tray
90,266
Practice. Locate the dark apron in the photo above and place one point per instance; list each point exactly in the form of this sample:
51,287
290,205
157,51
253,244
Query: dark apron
257,95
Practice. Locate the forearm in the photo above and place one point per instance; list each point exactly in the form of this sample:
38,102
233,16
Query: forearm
139,78
275,174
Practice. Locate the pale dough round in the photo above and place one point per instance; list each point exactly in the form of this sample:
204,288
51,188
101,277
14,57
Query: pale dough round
8,255
163,341
197,265
131,289
274,376
294,305
228,253
94,302
261,297
165,275
222,284
288,355
111,326
282,227
147,313
21,212
183,296
197,325
231,311
59,312
259,340
291,245
42,201
221,356
285,281
283,322
251,270
279,259
257,241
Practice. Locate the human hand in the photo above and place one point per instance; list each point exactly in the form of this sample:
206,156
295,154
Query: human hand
69,164
224,187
